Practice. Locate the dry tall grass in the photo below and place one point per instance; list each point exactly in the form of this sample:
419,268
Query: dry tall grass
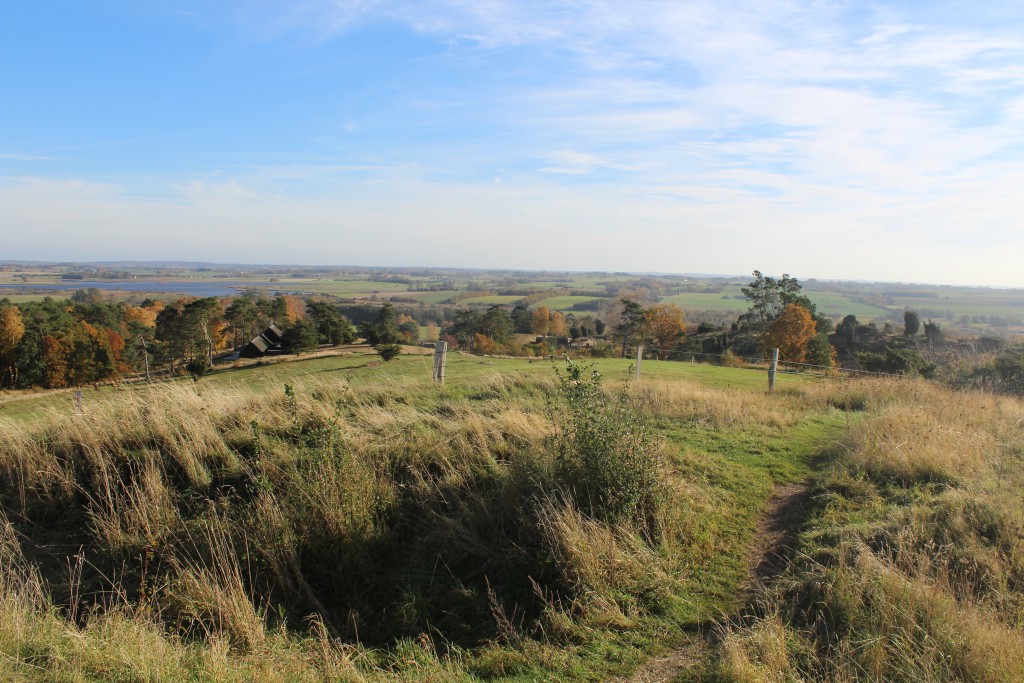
228,534
913,569
322,533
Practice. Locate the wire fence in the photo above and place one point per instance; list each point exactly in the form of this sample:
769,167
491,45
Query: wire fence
758,361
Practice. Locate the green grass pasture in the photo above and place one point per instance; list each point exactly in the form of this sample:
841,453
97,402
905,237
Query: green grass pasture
492,300
565,303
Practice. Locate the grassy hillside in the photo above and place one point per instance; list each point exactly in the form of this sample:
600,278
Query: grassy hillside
909,567
338,520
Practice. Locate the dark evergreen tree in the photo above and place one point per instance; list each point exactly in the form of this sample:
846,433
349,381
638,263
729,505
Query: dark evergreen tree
522,319
332,327
632,323
769,297
466,323
243,319
911,323
299,336
497,325
383,333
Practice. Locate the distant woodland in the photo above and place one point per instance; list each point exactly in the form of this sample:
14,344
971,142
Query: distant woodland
94,336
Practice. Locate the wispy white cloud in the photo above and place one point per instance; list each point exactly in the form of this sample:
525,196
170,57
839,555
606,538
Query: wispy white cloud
14,156
575,163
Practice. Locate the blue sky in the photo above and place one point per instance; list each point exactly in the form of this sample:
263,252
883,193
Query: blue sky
822,138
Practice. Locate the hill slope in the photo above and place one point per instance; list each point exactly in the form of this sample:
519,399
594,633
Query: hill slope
515,525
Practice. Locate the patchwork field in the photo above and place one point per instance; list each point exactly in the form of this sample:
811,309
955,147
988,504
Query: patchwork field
960,309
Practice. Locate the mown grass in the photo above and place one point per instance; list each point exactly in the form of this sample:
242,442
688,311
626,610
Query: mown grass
362,524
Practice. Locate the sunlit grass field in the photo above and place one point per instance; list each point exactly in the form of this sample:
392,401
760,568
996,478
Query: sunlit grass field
565,303
339,518
362,367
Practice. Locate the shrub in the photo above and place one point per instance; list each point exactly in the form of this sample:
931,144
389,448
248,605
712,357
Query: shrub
731,360
606,453
388,351
198,366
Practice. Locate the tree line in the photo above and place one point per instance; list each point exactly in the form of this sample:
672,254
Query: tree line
57,343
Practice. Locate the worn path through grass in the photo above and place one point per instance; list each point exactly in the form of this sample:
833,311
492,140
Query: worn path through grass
759,485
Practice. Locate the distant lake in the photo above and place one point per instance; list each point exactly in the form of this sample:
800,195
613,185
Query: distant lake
224,288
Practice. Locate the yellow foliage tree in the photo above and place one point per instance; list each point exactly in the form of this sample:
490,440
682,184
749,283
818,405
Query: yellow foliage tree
12,329
789,333
556,325
482,343
55,356
295,307
541,320
666,325
143,316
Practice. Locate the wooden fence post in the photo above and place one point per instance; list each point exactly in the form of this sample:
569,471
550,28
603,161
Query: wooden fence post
639,357
440,358
771,370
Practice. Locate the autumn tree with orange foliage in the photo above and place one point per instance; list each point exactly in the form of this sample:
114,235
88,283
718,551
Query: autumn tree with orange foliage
556,325
789,333
55,353
541,320
145,316
12,329
666,326
295,307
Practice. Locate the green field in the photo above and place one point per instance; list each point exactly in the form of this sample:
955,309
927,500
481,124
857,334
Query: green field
868,301
431,297
707,302
1006,305
565,303
342,288
27,298
361,368
496,299
835,304
830,303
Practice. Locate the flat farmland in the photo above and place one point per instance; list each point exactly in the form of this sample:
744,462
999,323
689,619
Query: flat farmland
696,301
1006,304
29,298
565,303
431,297
342,288
498,299
835,304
